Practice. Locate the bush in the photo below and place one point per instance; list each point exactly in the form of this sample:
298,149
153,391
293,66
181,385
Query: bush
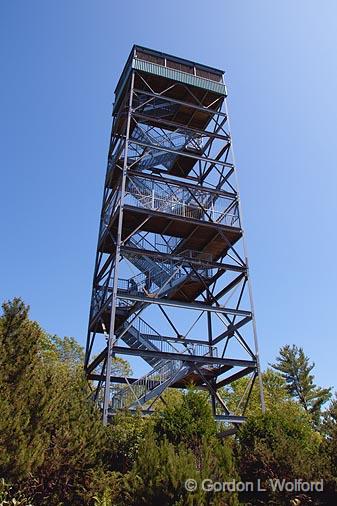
187,421
280,445
159,474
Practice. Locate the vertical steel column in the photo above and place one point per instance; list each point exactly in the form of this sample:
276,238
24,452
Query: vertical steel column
87,347
112,337
250,290
210,340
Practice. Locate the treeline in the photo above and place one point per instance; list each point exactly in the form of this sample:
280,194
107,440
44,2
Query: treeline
54,449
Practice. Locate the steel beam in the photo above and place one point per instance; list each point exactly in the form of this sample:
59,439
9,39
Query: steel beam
205,360
200,306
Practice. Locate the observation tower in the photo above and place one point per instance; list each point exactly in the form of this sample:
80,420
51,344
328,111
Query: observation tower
171,288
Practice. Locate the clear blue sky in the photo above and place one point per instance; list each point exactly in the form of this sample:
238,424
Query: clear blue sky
59,64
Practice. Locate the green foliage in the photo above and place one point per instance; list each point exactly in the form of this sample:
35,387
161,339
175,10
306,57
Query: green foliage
120,367
279,445
124,436
24,398
330,419
161,469
296,369
66,350
8,497
181,444
77,438
329,429
102,487
168,397
275,393
49,428
54,449
187,421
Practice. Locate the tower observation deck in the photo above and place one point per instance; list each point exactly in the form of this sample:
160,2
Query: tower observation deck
171,286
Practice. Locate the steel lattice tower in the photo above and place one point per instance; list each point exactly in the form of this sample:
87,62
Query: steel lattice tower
171,283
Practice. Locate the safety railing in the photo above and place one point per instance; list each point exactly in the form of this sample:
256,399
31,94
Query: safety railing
111,205
174,199
158,279
135,393
102,298
148,334
166,344
157,107
196,255
150,282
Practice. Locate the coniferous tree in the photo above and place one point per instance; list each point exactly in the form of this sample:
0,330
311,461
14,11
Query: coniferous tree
24,393
51,435
329,429
180,443
161,470
55,450
296,368
188,421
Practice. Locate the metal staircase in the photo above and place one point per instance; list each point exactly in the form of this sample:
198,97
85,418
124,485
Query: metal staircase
164,372
150,385
144,337
135,339
146,264
153,155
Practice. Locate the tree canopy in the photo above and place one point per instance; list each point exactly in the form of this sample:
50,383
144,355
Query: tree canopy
54,448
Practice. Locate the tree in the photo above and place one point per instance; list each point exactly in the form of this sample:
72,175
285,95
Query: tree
275,393
161,470
24,395
280,445
329,429
296,369
51,435
10,497
120,367
181,443
54,448
124,437
67,350
188,421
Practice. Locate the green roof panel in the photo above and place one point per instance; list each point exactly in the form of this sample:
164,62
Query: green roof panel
177,75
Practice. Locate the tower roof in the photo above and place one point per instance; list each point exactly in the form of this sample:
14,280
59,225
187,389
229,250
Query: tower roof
171,67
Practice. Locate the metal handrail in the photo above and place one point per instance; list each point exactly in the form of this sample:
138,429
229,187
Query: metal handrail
174,199
133,393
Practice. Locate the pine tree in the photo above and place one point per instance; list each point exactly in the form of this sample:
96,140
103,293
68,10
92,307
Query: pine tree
51,435
161,469
188,421
296,369
24,394
329,429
